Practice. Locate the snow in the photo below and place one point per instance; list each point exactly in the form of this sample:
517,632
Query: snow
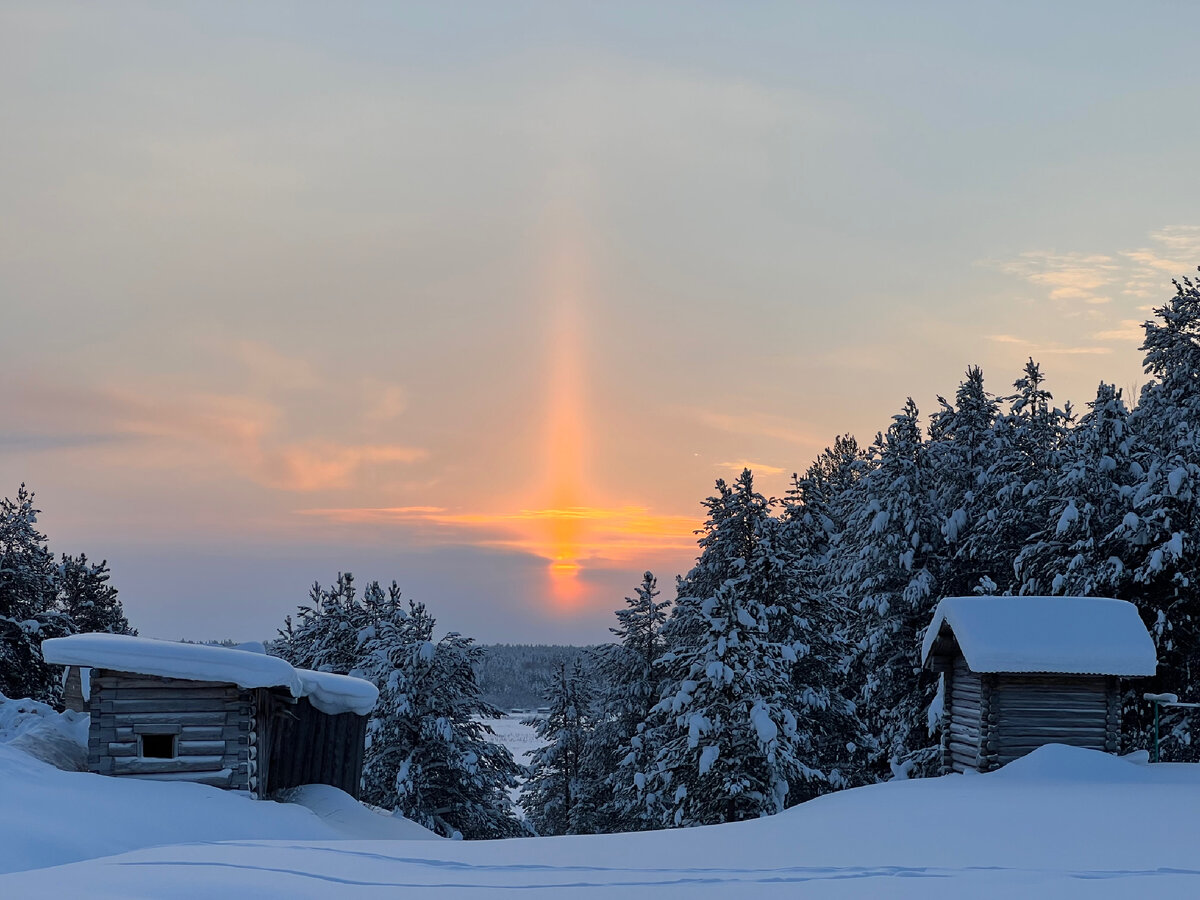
1061,822
172,659
335,694
246,666
353,820
49,817
1078,635
59,739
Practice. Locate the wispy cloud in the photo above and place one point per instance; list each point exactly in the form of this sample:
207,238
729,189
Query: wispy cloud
756,467
1066,276
248,433
1096,278
756,424
1047,349
577,533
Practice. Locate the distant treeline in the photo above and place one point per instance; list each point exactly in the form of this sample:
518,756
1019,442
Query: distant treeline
515,676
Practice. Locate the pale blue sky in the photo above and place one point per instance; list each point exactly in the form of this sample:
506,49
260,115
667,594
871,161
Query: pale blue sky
267,269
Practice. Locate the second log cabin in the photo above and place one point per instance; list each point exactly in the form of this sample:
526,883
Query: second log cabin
1021,672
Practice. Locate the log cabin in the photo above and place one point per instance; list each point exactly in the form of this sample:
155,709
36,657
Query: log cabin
232,718
1021,672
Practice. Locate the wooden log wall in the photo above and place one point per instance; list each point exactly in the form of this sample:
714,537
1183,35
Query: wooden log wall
211,722
312,747
963,726
1028,711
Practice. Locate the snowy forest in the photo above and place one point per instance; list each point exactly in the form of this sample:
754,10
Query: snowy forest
785,663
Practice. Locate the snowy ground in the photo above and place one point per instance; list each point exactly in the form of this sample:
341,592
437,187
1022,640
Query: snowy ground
521,740
1060,823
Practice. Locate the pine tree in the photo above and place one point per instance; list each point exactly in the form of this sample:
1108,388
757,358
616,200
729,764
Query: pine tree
28,615
1029,444
1163,529
1083,549
963,452
886,559
631,678
86,597
328,634
428,756
724,732
555,796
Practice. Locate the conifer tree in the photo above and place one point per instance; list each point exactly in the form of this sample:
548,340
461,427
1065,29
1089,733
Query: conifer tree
724,732
428,756
963,452
28,614
86,597
630,678
1163,528
555,796
887,559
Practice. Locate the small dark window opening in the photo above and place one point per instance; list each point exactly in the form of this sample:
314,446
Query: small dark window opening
158,746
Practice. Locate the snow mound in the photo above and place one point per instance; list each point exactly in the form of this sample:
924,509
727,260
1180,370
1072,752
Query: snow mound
1072,635
59,739
1060,763
339,810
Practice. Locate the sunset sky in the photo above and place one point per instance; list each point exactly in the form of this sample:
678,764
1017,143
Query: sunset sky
483,297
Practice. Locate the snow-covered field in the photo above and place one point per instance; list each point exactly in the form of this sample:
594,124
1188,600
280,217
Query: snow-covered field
1060,823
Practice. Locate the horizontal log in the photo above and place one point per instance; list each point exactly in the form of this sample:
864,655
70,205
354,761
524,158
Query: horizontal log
193,733
110,679
174,704
1043,726
222,778
1022,749
139,766
170,694
157,728
129,748
201,748
213,718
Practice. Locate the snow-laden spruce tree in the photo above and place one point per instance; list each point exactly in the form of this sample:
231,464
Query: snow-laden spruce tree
28,608
1030,444
1164,526
556,797
1083,548
813,619
724,733
963,452
428,757
84,594
886,559
629,680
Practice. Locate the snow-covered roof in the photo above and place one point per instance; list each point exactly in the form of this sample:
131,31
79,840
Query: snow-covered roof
329,693
1070,635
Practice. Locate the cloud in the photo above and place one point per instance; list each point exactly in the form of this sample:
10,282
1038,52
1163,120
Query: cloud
1126,330
569,535
165,424
1066,276
1095,277
756,424
1047,349
758,468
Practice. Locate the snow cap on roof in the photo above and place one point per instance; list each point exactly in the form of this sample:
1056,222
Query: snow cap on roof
329,693
1069,635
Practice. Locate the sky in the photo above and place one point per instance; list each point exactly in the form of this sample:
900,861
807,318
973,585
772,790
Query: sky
484,297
